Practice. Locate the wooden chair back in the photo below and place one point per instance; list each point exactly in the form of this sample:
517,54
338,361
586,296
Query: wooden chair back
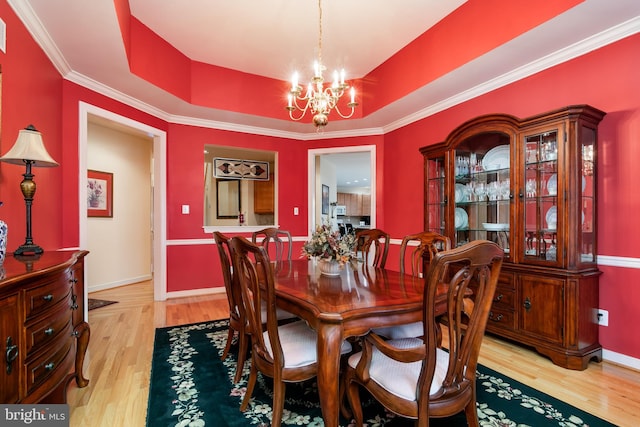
419,249
380,242
237,318
280,239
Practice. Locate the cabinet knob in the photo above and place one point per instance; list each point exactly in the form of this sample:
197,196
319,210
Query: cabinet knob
11,354
527,303
49,366
49,331
48,298
498,298
496,318
74,302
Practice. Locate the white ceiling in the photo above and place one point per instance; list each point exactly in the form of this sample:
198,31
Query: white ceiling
273,37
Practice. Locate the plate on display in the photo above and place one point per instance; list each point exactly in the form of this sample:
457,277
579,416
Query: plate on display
461,218
497,158
495,226
552,218
461,193
552,185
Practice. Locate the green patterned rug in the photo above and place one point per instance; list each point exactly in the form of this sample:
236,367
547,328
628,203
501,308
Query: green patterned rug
191,386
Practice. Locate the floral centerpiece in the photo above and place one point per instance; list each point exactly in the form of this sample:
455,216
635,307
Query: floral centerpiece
330,247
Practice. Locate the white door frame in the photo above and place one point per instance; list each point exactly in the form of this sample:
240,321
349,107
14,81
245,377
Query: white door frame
159,137
313,152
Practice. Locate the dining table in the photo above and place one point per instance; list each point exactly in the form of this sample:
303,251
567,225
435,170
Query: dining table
350,304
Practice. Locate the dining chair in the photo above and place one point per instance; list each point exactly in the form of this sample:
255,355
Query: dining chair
417,250
237,318
377,238
281,240
416,377
286,353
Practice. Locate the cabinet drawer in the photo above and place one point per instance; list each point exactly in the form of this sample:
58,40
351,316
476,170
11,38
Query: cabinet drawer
55,364
48,329
503,319
39,300
504,298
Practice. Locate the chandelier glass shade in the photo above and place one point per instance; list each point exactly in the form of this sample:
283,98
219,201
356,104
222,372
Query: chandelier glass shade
318,99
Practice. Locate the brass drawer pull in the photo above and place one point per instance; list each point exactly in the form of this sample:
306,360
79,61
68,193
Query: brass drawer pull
496,318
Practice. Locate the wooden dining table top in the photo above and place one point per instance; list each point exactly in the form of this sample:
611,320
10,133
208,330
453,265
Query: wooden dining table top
356,292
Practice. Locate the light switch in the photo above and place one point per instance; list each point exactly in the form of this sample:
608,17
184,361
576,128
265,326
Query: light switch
185,209
296,211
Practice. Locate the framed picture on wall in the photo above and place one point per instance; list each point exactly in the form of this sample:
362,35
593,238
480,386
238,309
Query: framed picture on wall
99,194
325,199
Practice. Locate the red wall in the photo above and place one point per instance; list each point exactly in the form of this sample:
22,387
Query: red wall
608,79
31,94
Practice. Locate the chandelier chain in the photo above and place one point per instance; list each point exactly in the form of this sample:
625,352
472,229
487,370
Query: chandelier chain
320,32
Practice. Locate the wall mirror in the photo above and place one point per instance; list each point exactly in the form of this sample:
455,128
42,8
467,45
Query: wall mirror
228,198
239,180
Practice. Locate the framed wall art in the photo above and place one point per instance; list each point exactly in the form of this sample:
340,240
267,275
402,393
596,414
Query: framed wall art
325,199
99,194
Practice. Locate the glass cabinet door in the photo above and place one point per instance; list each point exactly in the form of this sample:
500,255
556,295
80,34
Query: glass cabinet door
587,195
436,197
483,194
541,196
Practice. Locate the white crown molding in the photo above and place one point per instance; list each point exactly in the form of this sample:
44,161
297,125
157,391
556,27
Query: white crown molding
39,33
608,36
568,53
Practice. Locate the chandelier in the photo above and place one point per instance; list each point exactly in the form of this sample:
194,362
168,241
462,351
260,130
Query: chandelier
318,99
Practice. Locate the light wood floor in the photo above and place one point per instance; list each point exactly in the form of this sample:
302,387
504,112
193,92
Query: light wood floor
119,361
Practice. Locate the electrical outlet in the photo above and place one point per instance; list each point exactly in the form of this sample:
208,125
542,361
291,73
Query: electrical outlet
603,317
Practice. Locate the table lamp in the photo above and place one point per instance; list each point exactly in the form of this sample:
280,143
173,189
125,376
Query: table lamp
29,150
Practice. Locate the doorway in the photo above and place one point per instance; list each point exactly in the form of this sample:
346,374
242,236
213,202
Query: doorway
315,180
158,190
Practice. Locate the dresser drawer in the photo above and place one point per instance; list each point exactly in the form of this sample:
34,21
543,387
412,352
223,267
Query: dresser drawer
499,318
504,298
42,298
44,331
54,364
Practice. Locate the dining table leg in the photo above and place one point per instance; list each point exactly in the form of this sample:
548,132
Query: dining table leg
329,343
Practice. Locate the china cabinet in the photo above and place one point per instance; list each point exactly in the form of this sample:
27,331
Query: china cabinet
530,186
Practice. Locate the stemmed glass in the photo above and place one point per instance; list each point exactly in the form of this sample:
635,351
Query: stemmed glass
480,190
530,187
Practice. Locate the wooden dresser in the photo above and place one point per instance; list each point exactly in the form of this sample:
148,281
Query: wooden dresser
42,328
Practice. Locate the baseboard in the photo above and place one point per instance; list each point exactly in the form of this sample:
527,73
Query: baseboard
621,359
196,292
111,285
